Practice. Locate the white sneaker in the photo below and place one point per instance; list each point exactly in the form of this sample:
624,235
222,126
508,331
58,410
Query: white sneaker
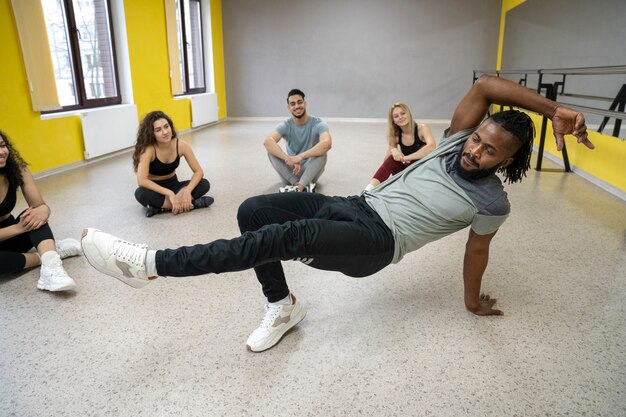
288,189
52,277
118,258
68,247
276,322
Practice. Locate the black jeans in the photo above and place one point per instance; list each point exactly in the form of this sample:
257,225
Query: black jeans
148,197
329,233
11,250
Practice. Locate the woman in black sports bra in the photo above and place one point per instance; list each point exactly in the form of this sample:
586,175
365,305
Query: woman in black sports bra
408,142
30,229
159,189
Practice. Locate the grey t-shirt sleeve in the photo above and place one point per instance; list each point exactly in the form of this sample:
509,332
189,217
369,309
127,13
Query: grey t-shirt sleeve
321,128
491,216
484,225
282,129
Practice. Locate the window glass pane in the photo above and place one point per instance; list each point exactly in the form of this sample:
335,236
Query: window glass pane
193,34
181,55
96,52
56,26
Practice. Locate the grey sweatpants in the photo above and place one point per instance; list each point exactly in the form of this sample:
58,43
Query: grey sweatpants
312,169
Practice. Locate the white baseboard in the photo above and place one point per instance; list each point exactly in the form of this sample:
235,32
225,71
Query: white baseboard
333,119
78,164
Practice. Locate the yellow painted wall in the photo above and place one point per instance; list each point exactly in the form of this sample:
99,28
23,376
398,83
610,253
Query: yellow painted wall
506,6
605,162
147,44
149,64
44,144
48,144
218,56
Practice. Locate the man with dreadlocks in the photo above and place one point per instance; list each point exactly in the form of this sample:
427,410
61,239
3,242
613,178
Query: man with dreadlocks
455,186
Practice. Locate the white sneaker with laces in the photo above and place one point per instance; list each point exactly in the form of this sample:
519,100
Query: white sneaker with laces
288,189
118,258
52,277
276,322
68,247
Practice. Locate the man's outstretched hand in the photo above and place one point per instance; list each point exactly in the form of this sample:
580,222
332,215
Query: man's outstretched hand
566,121
485,307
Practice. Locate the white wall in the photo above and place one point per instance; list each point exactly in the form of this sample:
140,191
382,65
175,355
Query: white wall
355,58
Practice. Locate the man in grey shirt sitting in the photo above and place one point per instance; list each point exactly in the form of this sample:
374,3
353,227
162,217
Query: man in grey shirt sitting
455,186
307,141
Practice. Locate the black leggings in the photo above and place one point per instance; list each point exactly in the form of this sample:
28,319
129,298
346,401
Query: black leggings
329,233
154,199
11,250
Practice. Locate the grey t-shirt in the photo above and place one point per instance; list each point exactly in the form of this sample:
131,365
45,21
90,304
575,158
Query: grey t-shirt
426,202
301,138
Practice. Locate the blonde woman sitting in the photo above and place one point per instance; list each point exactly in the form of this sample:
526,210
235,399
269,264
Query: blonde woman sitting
408,142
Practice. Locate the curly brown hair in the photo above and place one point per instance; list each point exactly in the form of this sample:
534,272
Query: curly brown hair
145,133
14,165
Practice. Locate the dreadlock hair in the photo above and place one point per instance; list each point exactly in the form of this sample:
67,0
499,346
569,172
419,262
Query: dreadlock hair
145,133
14,165
520,125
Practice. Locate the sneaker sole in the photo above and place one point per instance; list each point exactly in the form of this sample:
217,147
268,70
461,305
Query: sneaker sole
301,314
52,288
133,282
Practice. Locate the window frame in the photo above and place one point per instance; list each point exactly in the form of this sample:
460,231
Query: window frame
77,65
183,38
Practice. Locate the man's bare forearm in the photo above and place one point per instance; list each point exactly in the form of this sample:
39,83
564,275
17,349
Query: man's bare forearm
507,93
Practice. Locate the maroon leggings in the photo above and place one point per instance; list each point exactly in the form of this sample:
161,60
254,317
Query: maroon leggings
390,167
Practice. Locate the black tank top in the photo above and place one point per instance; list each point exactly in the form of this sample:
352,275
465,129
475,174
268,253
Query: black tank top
158,168
8,204
417,143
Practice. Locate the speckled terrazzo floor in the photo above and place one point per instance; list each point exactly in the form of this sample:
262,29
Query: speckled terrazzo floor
399,343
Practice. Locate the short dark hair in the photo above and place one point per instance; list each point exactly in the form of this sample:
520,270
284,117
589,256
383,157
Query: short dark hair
520,125
293,92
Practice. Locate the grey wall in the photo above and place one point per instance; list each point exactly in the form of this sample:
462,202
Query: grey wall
566,34
354,58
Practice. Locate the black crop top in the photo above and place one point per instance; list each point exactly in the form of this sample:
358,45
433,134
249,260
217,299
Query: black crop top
417,143
158,168
8,204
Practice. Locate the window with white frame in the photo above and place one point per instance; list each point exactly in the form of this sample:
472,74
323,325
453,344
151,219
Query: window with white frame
80,35
190,40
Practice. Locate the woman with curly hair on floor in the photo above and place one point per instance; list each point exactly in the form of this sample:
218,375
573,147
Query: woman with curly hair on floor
30,229
158,152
